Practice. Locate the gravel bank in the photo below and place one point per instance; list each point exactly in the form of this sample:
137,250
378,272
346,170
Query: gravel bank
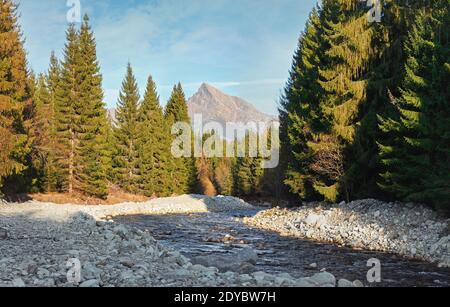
172,205
38,239
405,229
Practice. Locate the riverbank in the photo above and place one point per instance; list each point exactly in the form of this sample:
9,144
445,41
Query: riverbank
39,242
408,230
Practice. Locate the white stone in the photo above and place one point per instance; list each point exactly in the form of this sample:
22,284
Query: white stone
93,283
18,283
324,279
344,283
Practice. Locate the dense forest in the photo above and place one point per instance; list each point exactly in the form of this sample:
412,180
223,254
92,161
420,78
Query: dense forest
365,113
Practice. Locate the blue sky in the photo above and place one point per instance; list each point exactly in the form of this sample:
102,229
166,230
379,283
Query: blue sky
244,47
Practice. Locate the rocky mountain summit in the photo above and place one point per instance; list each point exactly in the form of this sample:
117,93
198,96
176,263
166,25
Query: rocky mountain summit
214,105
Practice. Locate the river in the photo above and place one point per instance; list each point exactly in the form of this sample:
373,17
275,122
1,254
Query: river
225,234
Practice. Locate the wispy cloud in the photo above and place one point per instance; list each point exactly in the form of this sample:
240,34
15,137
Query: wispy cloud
247,43
236,83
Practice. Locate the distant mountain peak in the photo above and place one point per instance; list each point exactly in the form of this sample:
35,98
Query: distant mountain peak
214,105
207,89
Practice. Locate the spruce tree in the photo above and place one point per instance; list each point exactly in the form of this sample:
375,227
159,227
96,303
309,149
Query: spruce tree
67,121
300,113
344,80
154,147
45,145
81,122
14,94
126,133
416,162
183,169
90,110
52,178
249,172
44,137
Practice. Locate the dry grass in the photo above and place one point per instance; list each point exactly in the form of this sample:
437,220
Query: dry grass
115,196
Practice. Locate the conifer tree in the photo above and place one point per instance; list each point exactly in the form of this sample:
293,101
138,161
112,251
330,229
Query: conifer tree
53,178
344,80
44,137
67,121
249,172
45,145
14,94
126,132
154,147
81,122
90,110
183,169
300,113
416,163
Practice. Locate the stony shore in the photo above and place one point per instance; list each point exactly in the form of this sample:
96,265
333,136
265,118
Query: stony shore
40,243
409,230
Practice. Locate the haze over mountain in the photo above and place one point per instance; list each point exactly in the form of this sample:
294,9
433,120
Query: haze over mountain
215,105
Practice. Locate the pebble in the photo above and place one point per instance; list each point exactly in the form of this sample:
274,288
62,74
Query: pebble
3,234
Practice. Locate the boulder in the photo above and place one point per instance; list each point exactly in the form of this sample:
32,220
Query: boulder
18,283
324,279
93,283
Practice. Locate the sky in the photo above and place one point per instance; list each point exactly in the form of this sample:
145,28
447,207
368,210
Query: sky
243,47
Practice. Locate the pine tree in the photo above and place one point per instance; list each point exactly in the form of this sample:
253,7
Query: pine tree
81,122
45,146
300,113
154,147
183,169
344,80
417,161
53,178
92,146
14,95
67,121
126,132
44,137
249,172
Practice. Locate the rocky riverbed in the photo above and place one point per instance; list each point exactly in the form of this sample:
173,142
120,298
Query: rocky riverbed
42,244
410,230
51,245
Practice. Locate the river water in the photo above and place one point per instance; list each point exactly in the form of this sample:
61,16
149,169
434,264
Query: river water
225,234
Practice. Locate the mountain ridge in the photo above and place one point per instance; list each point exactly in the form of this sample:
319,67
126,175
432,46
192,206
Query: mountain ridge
214,105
